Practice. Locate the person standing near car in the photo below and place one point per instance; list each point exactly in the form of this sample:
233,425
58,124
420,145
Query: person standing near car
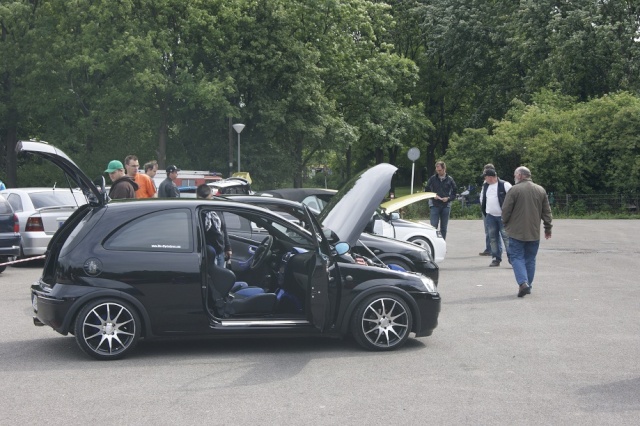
215,229
492,198
525,205
440,207
168,188
487,248
123,186
150,169
146,189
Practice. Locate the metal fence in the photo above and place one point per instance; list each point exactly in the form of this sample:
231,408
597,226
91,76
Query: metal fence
594,203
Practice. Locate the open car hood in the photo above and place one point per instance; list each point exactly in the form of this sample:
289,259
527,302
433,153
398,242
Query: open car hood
398,203
350,210
60,159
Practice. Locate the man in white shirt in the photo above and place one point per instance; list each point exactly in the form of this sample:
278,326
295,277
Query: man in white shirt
492,196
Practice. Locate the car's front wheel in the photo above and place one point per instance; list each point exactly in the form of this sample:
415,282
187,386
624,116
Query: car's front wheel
425,244
107,328
382,322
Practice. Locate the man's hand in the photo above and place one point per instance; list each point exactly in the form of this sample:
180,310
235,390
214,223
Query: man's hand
547,234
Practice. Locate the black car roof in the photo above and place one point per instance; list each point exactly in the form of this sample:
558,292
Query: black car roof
299,194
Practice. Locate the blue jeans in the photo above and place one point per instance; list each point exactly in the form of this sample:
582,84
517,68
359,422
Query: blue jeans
496,233
523,259
440,215
487,239
219,258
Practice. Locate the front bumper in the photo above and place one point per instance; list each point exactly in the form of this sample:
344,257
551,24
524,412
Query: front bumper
428,310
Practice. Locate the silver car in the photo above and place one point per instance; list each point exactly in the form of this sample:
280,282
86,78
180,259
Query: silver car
41,211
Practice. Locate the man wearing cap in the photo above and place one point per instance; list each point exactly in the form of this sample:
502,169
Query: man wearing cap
492,197
168,188
146,188
123,186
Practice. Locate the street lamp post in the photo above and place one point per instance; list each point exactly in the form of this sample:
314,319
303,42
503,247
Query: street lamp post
238,128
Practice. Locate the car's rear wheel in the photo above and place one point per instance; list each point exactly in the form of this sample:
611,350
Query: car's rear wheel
107,328
382,322
424,243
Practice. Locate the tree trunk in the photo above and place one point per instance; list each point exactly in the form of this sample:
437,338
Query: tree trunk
163,137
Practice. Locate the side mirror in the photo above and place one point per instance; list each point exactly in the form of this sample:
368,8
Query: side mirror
342,248
394,216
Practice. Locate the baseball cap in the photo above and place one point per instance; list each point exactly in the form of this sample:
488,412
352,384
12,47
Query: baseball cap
113,166
172,169
489,172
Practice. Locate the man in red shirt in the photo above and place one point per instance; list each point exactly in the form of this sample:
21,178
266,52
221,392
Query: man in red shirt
146,188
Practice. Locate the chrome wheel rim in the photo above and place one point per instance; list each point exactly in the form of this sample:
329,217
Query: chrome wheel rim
108,329
385,322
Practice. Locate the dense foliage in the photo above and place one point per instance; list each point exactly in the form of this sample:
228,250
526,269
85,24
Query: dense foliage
339,83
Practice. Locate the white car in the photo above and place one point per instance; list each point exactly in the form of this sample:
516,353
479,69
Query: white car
41,211
387,222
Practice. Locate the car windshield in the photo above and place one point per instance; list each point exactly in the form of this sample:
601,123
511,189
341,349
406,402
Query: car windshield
5,207
54,199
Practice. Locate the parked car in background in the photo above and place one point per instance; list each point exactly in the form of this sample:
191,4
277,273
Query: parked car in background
9,233
128,269
41,211
385,221
232,185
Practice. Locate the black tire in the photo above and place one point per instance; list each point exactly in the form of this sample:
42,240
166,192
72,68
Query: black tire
2,268
107,329
424,243
382,322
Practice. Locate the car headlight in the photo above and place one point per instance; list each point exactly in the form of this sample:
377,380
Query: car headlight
429,284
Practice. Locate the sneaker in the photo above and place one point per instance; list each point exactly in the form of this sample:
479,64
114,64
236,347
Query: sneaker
524,289
485,253
495,262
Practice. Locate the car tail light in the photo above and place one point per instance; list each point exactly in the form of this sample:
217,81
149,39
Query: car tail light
34,224
16,223
216,192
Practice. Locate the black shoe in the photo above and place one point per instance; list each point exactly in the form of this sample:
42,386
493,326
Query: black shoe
495,263
485,253
524,289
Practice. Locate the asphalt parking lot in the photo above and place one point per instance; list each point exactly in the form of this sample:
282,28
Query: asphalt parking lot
566,354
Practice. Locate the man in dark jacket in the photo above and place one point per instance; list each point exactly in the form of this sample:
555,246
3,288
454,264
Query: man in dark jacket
525,205
440,207
168,188
123,186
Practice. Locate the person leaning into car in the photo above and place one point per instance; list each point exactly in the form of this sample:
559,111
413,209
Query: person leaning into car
216,236
440,207
123,186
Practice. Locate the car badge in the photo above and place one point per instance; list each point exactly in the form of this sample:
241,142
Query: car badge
92,267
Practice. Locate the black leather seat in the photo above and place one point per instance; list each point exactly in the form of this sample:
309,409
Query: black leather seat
244,300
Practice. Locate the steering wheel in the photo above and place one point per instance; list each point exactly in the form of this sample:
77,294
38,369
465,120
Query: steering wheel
262,253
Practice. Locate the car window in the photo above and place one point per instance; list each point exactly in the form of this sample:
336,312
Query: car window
15,201
165,231
5,207
53,199
312,201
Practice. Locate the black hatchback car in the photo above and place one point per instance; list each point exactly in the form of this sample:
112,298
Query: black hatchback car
119,271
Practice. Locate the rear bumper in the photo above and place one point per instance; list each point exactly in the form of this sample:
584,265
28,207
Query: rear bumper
10,245
35,243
